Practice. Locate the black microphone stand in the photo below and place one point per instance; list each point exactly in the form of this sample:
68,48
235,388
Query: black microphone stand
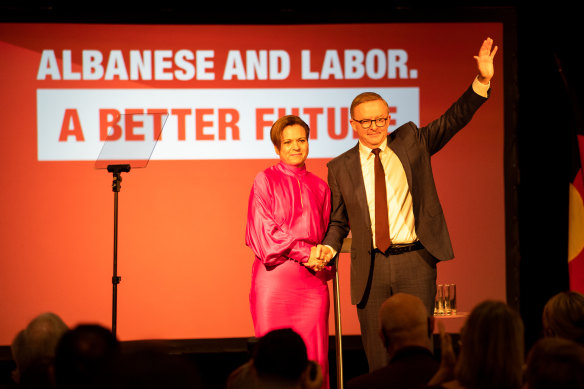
117,171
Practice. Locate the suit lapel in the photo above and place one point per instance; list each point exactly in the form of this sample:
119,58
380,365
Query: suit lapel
353,166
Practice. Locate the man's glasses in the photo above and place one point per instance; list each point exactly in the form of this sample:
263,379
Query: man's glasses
366,123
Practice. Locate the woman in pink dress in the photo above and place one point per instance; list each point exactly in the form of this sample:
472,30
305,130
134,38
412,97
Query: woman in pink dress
288,214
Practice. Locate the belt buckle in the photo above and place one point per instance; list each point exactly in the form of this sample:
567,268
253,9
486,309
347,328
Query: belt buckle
402,248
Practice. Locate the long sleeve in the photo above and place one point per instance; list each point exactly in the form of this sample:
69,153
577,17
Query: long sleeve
271,241
288,213
439,132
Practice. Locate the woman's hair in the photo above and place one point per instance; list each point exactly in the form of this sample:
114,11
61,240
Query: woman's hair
492,346
563,316
283,122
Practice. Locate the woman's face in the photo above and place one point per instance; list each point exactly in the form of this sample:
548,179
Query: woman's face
294,145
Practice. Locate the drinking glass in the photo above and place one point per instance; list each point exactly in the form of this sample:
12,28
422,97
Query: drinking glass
439,302
452,298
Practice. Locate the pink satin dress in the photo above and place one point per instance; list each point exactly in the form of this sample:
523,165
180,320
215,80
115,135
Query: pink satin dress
288,213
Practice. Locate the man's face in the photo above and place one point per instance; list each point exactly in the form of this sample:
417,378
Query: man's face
294,145
374,136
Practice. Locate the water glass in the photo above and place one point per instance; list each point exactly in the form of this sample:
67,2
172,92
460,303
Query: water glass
439,302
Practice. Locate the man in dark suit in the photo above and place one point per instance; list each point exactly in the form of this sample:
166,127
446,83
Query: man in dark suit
406,327
395,243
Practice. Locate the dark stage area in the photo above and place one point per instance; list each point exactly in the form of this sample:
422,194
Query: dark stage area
214,359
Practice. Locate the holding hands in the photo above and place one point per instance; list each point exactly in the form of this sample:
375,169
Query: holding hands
320,256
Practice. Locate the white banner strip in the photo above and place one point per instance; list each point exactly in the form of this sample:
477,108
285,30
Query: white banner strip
202,123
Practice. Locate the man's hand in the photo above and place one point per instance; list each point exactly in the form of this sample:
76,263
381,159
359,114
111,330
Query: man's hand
485,61
319,257
324,253
314,262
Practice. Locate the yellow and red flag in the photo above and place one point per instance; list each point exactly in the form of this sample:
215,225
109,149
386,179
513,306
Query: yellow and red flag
576,192
576,218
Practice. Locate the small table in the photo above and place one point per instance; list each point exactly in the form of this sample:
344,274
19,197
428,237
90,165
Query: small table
452,323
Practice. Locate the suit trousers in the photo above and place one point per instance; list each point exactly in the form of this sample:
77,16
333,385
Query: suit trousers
413,272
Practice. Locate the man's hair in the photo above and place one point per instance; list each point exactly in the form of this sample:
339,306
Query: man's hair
404,320
363,98
83,355
34,348
280,355
38,340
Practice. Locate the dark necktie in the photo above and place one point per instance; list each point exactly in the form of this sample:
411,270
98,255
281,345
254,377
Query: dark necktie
382,240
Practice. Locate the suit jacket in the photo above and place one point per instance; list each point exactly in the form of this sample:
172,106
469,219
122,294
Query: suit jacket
414,147
411,367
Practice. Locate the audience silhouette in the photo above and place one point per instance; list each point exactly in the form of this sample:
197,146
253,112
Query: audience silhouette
555,363
47,354
491,351
84,356
33,350
279,360
563,316
406,331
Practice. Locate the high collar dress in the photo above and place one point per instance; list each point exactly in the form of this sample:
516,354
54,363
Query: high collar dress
288,213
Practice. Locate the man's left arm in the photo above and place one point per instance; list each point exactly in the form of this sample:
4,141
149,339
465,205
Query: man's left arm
437,133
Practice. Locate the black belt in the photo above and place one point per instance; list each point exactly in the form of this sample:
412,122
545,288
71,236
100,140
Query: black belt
400,248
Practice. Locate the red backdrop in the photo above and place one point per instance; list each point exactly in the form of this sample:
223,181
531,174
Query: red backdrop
184,265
